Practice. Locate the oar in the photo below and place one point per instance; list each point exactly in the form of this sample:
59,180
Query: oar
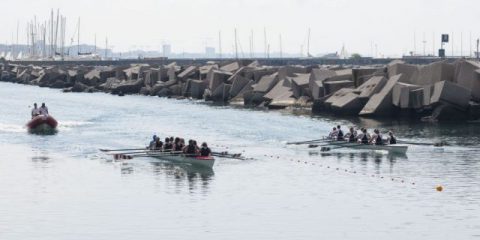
227,155
117,156
308,142
436,144
119,150
142,151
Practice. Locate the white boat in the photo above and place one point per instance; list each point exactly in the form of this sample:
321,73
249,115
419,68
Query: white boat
181,158
394,148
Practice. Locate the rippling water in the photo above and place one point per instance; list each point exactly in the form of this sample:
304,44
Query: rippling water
61,187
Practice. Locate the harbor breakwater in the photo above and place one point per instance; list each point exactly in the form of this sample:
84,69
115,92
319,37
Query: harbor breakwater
439,91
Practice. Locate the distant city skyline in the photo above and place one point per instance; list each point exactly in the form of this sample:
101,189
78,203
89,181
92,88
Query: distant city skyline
370,27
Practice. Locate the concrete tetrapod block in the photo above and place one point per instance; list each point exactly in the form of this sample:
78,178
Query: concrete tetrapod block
238,99
188,72
333,86
344,74
337,95
467,75
416,98
279,91
282,102
401,94
315,82
216,77
451,93
433,73
231,67
361,75
238,84
300,84
409,72
266,83
347,104
371,86
381,103
197,88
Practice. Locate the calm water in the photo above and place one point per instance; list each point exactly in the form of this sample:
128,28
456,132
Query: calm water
62,187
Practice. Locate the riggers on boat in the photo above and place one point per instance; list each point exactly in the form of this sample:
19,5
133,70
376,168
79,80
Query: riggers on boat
394,148
42,122
182,158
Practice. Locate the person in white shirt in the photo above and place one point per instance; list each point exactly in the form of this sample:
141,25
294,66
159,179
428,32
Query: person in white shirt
333,134
35,110
43,110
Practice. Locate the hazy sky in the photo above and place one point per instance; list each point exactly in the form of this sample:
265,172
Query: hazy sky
190,25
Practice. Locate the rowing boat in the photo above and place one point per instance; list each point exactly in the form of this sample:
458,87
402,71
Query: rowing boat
394,148
193,160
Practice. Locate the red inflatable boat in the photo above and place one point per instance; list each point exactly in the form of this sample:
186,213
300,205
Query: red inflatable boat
42,122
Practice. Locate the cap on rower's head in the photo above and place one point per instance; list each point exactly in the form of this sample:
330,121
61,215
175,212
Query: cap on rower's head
204,144
35,104
334,128
338,126
43,104
154,136
167,139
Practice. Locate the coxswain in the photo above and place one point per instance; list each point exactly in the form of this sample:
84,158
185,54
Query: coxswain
352,135
205,150
35,110
152,144
340,135
333,134
43,109
391,138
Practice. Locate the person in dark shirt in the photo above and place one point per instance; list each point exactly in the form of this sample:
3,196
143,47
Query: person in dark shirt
205,150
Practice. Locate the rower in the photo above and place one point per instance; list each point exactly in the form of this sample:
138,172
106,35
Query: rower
43,109
190,148
197,149
352,135
35,110
158,144
391,138
168,146
177,146
205,150
333,134
340,135
377,137
363,137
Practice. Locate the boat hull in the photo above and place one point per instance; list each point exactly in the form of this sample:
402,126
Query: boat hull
42,121
395,148
207,162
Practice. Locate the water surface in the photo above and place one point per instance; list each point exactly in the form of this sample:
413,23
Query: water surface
61,187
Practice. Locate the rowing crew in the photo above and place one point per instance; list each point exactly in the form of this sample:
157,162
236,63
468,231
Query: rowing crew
363,137
178,145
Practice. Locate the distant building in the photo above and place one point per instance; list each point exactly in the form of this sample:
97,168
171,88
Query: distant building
166,50
210,52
